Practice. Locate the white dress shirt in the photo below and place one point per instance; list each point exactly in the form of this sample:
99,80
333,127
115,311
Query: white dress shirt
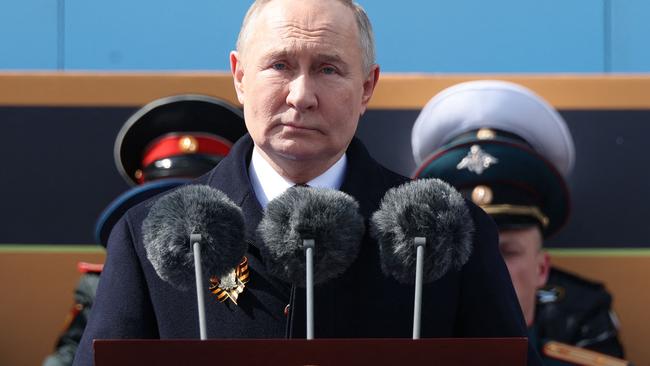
268,184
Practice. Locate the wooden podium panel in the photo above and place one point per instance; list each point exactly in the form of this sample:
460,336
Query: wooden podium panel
438,351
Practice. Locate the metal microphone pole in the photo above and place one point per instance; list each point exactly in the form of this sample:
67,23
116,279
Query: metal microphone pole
420,244
195,240
309,246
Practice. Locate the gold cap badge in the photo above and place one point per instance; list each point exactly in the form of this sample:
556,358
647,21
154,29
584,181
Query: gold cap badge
485,134
482,195
188,144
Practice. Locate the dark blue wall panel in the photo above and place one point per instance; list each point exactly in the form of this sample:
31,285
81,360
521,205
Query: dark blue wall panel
58,171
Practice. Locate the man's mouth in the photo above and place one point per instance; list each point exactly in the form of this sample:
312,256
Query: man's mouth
297,126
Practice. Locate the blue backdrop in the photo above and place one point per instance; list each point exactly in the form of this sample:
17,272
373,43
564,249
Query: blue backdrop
416,36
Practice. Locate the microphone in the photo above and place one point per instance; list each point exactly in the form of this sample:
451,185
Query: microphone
422,213
308,220
176,226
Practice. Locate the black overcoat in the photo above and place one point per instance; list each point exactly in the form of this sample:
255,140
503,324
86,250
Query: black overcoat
133,302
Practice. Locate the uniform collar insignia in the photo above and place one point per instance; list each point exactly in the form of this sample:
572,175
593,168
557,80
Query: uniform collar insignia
550,294
232,284
477,160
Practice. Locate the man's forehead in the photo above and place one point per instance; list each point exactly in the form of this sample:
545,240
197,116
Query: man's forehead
325,38
521,236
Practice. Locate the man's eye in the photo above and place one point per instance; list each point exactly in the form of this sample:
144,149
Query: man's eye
508,252
328,70
279,66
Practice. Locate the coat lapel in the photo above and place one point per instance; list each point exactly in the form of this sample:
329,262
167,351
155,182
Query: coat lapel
231,177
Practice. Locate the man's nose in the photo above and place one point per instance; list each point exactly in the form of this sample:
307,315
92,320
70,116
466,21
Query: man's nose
302,94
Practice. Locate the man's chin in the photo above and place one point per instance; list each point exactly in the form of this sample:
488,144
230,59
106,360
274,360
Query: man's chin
297,155
303,153
299,150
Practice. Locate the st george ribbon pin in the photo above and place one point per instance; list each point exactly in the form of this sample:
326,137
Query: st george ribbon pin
232,284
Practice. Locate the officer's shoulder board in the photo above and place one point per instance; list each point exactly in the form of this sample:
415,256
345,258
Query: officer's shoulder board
580,356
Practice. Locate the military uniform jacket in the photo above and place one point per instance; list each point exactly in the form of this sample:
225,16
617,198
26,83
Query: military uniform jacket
577,311
133,302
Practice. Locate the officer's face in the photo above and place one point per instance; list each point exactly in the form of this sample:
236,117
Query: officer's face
299,76
527,263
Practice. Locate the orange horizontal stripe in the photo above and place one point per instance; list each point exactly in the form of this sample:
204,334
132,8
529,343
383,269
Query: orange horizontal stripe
394,91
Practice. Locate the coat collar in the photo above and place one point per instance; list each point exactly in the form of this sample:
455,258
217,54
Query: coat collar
365,180
231,175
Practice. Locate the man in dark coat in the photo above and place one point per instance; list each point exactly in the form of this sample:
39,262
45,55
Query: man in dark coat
304,72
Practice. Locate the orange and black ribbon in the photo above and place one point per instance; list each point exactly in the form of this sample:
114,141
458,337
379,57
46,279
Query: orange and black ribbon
242,277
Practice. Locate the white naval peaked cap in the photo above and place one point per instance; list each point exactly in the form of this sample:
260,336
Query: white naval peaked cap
497,105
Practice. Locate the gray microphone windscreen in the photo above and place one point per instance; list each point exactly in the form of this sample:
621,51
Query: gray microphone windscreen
327,216
428,208
193,209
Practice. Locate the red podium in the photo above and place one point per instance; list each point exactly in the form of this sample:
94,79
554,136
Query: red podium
436,351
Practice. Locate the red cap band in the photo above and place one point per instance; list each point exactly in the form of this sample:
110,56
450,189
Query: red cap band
84,267
188,143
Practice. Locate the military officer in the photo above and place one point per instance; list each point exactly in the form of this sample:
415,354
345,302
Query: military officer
163,145
510,152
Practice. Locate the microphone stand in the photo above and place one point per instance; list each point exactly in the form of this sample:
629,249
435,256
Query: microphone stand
420,243
309,246
195,241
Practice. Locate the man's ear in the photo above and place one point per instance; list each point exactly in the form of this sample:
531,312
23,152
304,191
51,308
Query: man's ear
369,85
544,268
237,71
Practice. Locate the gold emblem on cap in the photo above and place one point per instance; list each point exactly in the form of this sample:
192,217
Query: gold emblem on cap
482,195
485,134
188,144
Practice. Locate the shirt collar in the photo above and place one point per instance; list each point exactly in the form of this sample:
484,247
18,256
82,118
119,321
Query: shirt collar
268,184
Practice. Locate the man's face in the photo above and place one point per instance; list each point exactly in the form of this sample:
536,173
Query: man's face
299,76
527,263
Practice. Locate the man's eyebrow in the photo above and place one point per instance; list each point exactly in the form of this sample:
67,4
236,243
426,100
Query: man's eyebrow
329,58
279,54
321,57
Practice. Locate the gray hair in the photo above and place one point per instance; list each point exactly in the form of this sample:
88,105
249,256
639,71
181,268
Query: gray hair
366,37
